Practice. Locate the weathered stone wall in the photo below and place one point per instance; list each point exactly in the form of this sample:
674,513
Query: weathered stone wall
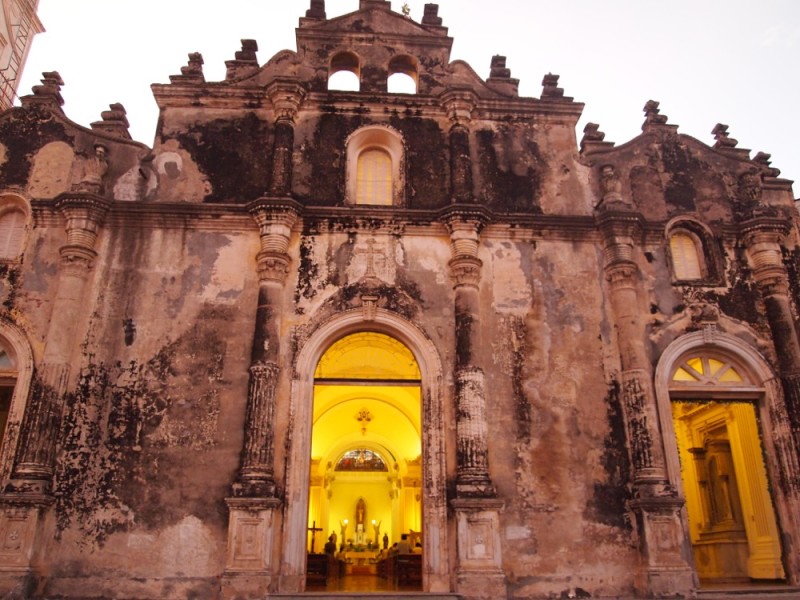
538,277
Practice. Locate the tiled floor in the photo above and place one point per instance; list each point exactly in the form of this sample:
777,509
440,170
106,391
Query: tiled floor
362,583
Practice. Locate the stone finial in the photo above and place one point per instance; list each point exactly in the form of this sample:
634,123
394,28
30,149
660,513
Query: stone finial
49,92
405,9
550,87
726,144
592,140
498,67
248,51
114,122
651,113
500,77
192,72
762,160
317,10
431,15
592,133
245,60
723,140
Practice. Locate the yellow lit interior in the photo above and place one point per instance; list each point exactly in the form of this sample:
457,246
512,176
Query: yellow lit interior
367,396
732,524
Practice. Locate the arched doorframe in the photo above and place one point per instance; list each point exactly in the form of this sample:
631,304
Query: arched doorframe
768,404
16,343
435,555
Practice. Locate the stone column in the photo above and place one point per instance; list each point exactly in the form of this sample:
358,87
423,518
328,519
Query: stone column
459,105
28,494
657,507
476,505
249,570
286,96
35,461
763,239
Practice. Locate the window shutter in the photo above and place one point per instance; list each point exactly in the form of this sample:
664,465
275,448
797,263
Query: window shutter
685,260
374,177
12,227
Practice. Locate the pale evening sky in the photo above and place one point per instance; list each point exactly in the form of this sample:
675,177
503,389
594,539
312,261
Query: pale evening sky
706,61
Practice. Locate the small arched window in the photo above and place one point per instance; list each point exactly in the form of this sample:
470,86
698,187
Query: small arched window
374,167
686,262
374,177
344,73
402,75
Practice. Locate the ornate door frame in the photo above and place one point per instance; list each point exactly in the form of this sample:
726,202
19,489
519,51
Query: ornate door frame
436,576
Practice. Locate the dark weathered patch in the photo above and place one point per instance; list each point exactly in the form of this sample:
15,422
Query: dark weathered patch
234,154
24,133
504,190
608,504
133,432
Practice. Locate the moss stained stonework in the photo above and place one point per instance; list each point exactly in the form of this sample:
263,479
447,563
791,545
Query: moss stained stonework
164,309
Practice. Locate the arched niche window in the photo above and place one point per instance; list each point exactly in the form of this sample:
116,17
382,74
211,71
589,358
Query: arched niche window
344,73
374,167
691,253
403,76
361,459
13,227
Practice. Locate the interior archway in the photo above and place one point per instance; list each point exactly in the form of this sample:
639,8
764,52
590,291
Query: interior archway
366,469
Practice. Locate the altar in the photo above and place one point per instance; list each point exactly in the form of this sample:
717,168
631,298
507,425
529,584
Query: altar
360,557
360,563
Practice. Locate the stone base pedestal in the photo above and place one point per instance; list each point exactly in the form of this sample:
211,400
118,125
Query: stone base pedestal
245,585
248,566
22,519
665,548
479,573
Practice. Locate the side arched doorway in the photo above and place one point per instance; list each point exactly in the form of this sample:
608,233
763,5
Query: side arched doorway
412,395
713,393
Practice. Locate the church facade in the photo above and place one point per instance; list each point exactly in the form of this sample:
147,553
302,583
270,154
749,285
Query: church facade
563,367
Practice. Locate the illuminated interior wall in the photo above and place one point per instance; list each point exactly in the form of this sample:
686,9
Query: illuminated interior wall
718,552
374,489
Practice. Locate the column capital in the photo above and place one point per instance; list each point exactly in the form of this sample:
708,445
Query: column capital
764,230
287,95
275,218
459,104
456,216
465,222
84,213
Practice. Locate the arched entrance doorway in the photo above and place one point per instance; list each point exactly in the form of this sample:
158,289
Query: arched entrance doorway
710,405
366,468
429,398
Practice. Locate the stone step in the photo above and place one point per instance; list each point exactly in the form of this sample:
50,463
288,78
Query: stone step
758,592
369,596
